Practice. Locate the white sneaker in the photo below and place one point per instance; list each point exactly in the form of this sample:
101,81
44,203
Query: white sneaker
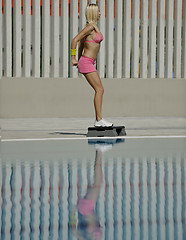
103,123
103,147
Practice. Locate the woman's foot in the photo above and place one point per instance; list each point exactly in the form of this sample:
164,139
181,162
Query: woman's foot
103,147
103,123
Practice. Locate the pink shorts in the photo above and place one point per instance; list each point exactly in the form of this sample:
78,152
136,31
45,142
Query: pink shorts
86,206
86,65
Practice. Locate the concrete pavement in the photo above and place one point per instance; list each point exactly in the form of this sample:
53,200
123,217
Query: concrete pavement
43,128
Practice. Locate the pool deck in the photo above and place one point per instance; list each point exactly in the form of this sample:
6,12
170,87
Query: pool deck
66,128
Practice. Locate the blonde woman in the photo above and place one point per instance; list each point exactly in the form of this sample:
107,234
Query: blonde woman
89,44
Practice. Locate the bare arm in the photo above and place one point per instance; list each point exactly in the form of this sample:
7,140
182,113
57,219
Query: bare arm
86,31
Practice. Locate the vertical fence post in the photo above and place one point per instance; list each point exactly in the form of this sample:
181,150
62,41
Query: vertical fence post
90,174
55,39
36,38
73,31
169,198
46,38
135,39
55,192
35,202
169,38
110,38
135,197
161,197
126,38
64,53
45,178
83,181
82,18
83,4
17,39
127,199
177,39
152,39
64,186
118,35
7,198
109,201
92,1
101,201
184,42
73,192
144,196
26,37
161,39
1,45
101,55
177,199
26,195
16,206
8,38
116,63
144,39
183,174
152,196
118,197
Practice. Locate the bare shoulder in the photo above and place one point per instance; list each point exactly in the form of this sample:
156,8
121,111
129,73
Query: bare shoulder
84,32
89,27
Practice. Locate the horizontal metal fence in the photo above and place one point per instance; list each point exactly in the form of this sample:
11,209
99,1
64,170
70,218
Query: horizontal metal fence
142,39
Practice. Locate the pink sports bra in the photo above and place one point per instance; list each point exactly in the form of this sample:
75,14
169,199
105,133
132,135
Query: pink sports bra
98,38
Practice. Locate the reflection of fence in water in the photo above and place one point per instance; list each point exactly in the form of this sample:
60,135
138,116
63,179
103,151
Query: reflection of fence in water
37,198
35,45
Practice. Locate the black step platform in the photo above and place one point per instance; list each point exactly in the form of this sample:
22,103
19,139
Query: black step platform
114,131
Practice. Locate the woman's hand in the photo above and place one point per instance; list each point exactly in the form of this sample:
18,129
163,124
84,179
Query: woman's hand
74,62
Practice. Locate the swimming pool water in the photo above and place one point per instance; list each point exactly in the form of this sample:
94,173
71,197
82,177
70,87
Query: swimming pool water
93,189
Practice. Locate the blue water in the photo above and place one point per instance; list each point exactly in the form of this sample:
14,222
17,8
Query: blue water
88,189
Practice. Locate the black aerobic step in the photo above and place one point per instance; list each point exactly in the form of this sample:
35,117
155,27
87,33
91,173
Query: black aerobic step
114,131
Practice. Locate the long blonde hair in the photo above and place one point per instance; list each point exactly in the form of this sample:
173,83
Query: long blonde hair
91,13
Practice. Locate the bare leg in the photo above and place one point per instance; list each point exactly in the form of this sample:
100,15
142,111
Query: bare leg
93,192
95,81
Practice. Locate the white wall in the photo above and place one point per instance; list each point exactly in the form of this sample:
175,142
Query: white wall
57,97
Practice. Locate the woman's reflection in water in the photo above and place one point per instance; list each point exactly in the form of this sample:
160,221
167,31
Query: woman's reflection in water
88,226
